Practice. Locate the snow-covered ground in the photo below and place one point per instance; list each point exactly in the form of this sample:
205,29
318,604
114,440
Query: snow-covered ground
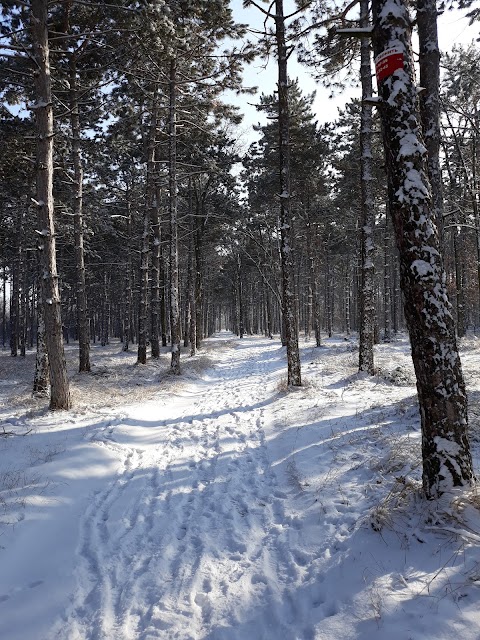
221,506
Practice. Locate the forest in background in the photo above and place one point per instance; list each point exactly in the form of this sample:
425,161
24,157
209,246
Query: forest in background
122,215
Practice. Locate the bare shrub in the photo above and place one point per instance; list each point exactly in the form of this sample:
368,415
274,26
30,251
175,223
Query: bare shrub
294,476
395,505
16,485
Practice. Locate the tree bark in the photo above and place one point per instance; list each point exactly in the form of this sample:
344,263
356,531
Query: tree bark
367,295
447,461
192,329
459,286
387,302
172,206
82,310
40,381
59,387
347,298
429,63
294,377
150,214
240,298
105,323
199,279
143,294
153,204
15,297
4,306
127,310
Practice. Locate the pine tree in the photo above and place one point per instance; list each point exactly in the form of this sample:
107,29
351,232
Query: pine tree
447,460
59,387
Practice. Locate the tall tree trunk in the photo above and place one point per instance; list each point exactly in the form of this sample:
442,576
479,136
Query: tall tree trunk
310,320
105,324
82,310
199,278
144,267
459,287
387,303
397,299
4,306
294,377
469,185
163,299
328,296
268,313
473,190
191,292
40,381
15,291
367,294
429,62
153,205
172,206
240,298
127,309
59,387
347,298
314,285
155,287
447,461
23,304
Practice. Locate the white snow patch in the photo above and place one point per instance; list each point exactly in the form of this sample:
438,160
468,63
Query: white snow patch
422,268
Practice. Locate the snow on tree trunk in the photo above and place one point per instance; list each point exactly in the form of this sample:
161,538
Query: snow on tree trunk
82,312
442,399
286,237
59,387
367,296
429,63
172,206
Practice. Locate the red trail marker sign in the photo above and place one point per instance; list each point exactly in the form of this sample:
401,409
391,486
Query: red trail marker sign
387,62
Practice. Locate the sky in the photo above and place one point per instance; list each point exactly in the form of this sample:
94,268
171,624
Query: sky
453,29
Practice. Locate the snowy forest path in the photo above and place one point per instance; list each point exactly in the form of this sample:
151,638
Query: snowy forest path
222,506
191,536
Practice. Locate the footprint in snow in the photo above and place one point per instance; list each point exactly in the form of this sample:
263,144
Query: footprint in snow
202,601
181,533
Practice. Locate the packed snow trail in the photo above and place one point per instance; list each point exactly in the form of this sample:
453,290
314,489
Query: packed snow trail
190,539
226,509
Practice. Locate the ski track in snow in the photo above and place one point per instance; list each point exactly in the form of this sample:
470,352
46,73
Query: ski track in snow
203,549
